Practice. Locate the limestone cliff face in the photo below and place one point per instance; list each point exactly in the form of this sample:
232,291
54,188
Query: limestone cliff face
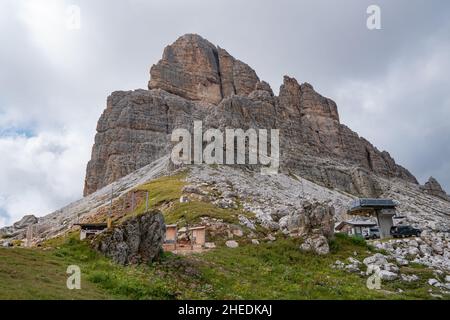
133,131
196,80
195,69
313,142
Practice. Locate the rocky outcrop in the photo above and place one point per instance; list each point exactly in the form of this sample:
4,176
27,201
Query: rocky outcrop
431,249
317,218
313,143
195,80
26,221
195,69
311,122
19,227
433,187
138,240
315,224
312,218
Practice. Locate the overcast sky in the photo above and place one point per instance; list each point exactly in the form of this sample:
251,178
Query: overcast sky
391,85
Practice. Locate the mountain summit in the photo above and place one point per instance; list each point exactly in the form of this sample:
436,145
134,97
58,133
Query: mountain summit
196,80
195,69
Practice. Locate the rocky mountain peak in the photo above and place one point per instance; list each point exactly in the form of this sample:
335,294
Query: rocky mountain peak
196,80
290,89
195,69
302,98
433,187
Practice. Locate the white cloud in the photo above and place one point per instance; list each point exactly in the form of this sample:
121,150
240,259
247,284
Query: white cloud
41,173
46,23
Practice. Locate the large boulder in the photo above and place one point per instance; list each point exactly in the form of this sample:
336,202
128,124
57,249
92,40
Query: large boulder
387,275
317,244
316,218
137,240
316,227
377,259
6,232
26,221
232,244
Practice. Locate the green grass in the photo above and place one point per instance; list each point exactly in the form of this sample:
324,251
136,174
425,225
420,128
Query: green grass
130,282
192,211
38,274
277,270
162,190
346,240
164,194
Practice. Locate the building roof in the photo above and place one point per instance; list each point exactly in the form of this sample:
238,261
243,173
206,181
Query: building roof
369,206
92,226
197,228
355,223
372,203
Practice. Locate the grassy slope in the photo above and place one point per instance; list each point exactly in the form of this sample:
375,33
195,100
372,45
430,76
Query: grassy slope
271,270
280,271
165,190
38,274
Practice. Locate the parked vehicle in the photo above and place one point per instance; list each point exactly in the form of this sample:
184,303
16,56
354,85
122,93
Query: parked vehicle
372,233
405,231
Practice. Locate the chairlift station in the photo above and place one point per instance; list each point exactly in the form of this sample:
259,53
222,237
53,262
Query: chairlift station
382,209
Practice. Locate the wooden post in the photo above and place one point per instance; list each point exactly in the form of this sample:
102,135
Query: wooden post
108,220
132,201
29,235
146,202
111,201
176,236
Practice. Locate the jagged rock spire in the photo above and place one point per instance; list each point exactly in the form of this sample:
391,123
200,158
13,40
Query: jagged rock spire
195,69
433,187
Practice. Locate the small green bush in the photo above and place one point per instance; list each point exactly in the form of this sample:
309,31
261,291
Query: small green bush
356,240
